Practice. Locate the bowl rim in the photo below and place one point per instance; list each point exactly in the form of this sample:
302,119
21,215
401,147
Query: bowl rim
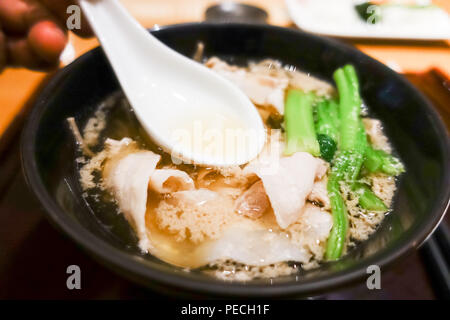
117,259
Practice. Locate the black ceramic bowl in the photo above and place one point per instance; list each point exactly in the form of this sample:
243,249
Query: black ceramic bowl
414,127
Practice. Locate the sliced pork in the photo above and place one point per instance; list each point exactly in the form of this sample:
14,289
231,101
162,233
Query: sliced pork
170,180
319,193
261,88
249,244
128,179
289,184
312,230
253,202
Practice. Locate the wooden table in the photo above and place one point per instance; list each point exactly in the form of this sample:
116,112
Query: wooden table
17,85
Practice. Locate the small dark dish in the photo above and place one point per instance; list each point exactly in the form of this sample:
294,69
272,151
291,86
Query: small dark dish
414,127
235,12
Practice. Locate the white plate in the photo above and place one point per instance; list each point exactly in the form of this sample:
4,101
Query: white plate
339,18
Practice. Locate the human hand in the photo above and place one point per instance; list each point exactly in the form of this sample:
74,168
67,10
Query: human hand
33,33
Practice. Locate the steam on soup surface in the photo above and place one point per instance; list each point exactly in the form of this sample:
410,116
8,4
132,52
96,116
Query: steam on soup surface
323,182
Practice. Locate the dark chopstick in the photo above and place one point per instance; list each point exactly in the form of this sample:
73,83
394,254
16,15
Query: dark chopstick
435,253
442,235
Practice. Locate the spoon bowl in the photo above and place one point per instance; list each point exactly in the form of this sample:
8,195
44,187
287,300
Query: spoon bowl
191,112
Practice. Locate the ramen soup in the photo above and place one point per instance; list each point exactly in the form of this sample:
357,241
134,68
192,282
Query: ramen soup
322,184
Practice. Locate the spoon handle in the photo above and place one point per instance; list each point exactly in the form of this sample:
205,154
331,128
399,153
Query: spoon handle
114,26
125,42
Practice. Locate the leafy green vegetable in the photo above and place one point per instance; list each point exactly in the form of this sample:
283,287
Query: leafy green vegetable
353,141
348,162
369,12
373,160
349,107
381,161
327,146
328,119
391,165
299,123
338,234
327,128
367,199
351,151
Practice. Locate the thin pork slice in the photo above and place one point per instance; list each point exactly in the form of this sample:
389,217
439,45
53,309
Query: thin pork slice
253,202
170,180
128,179
289,184
261,88
319,193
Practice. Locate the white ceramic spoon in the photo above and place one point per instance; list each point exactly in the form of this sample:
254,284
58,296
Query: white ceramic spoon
168,91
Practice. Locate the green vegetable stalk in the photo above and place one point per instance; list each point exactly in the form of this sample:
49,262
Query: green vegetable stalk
353,141
343,125
347,165
380,161
328,119
349,107
367,199
338,234
299,123
327,128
